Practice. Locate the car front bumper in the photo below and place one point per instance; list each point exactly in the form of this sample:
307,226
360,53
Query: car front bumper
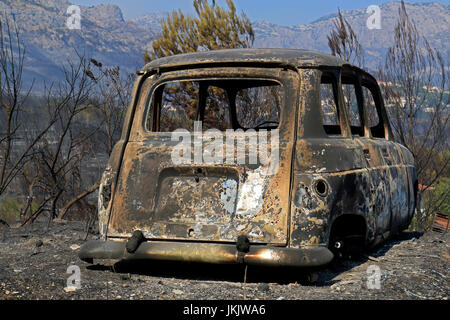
207,253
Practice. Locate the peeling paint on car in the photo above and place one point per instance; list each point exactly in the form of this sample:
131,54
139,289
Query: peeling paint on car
251,194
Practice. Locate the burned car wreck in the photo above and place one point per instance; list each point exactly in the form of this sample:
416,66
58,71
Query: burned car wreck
274,157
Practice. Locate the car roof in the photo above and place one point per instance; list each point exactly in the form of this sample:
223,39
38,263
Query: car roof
287,57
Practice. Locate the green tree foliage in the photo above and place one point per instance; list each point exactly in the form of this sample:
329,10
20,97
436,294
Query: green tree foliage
441,196
10,210
213,28
437,199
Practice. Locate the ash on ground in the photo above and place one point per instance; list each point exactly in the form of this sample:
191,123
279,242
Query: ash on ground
35,260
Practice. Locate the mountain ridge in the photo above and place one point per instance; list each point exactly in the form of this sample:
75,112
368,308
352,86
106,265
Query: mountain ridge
433,19
106,36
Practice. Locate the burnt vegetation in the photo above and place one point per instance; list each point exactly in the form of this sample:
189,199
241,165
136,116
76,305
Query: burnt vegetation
54,146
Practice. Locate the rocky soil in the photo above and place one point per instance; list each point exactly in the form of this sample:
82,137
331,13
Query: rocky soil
34,261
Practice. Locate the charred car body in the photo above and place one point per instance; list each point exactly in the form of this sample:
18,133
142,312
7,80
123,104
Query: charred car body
340,181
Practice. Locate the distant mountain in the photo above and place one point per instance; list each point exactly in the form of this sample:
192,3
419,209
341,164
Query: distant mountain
109,38
104,35
152,20
432,19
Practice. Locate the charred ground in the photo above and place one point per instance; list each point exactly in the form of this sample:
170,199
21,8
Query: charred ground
34,261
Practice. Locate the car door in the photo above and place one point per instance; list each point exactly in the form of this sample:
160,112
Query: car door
369,132
385,161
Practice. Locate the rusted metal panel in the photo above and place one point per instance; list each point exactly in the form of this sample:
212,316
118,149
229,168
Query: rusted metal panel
187,202
213,253
264,57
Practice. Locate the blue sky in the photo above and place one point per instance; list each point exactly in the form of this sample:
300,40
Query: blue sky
282,12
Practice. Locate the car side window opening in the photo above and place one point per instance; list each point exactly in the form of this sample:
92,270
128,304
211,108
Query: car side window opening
329,103
219,104
374,121
351,104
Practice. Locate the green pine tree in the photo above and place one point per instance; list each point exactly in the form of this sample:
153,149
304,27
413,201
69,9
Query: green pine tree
212,28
